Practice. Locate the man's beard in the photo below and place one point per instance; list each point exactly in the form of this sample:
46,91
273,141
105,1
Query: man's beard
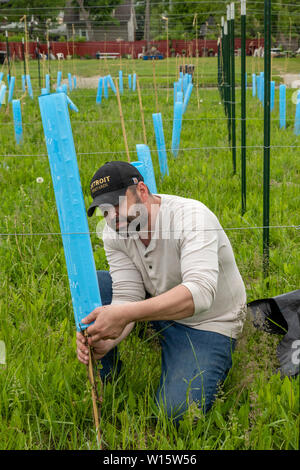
130,225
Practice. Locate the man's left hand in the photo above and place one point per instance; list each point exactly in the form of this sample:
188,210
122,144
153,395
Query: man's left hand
110,321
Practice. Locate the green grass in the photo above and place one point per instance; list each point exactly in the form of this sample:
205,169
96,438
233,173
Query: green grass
205,69
45,398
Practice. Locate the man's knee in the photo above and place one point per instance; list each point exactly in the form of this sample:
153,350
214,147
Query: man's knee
175,401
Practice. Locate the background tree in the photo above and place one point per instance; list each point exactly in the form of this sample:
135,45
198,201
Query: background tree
38,15
285,19
96,13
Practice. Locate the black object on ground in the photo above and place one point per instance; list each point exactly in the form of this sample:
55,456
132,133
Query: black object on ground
281,315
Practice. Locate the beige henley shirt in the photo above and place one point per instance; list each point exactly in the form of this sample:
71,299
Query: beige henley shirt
188,247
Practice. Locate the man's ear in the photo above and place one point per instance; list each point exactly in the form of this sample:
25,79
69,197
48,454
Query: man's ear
142,191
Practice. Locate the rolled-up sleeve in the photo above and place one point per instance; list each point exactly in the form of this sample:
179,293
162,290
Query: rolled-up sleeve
127,283
199,258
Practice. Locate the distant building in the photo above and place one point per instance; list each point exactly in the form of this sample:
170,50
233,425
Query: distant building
207,27
122,28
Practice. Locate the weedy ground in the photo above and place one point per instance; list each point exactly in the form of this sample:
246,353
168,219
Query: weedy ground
44,395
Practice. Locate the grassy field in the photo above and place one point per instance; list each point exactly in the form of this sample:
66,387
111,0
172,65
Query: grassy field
205,69
44,395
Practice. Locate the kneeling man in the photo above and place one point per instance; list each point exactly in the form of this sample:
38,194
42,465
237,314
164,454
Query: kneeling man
171,264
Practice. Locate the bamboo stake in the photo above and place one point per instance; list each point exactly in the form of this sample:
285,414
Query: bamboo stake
258,46
202,70
7,53
48,50
167,20
38,59
26,46
62,69
287,54
95,398
44,66
122,122
73,33
105,59
141,109
155,89
132,57
195,23
68,54
26,55
13,66
167,60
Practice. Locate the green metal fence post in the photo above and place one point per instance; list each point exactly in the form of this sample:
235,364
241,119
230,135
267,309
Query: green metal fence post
227,79
266,175
222,59
232,47
243,104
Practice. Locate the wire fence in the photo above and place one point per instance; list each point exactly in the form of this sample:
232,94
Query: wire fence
226,229
227,147
91,95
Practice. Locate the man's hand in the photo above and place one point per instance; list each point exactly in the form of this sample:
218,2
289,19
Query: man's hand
110,321
100,348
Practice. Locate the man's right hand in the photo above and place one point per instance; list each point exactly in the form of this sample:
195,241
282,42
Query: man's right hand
100,348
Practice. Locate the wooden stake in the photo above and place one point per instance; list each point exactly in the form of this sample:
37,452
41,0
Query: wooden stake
68,51
154,80
132,59
95,398
13,67
195,23
258,57
73,33
202,69
26,46
141,109
26,55
122,122
44,65
167,20
105,58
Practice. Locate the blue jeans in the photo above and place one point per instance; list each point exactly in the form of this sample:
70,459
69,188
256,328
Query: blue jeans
194,362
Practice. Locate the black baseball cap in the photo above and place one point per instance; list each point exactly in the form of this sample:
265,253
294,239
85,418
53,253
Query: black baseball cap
110,182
